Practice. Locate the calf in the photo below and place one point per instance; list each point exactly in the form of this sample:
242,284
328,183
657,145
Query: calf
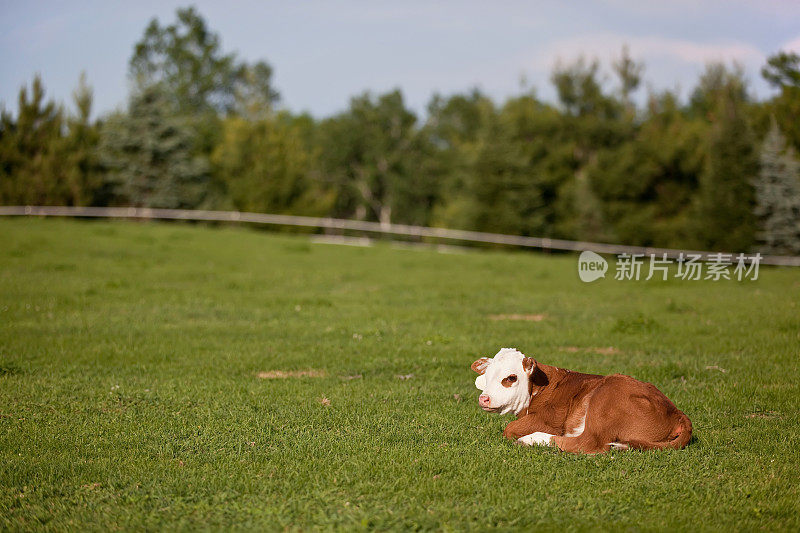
579,413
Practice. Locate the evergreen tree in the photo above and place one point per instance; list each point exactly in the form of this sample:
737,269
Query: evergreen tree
646,183
777,192
724,218
716,82
593,124
201,82
47,158
520,168
83,179
782,71
9,158
32,151
580,92
629,73
149,155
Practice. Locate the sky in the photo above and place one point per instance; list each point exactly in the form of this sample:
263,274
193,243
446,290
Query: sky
325,52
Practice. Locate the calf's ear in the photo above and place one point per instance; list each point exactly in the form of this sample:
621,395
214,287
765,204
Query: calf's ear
480,365
529,364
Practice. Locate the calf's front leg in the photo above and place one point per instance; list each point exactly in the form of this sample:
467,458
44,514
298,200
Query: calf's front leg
527,425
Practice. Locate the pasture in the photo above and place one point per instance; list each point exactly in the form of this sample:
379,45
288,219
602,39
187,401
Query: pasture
173,376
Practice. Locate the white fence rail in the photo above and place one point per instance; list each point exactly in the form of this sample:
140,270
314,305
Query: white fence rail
363,226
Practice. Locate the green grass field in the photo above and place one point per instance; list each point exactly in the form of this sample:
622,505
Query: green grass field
131,396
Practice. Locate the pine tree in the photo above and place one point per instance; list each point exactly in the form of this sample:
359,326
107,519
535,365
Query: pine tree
629,73
9,158
149,155
724,203
778,196
782,71
81,172
515,181
32,151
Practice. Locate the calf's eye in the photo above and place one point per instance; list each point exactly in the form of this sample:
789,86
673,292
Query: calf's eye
508,381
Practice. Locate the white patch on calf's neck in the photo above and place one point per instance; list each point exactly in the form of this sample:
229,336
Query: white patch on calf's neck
578,431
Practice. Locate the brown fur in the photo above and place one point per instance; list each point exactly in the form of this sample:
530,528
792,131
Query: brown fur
618,409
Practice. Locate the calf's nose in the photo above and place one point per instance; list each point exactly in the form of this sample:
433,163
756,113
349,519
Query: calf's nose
483,400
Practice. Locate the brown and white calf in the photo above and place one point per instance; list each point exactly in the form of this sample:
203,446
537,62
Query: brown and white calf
577,412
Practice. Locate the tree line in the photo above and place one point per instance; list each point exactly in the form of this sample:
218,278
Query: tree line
203,129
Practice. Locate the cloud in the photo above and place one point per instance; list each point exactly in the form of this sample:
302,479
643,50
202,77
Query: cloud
770,8
792,46
608,46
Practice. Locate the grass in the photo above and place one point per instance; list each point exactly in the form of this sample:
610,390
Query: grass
130,396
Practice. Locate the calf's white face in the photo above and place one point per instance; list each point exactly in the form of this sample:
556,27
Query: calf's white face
503,381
